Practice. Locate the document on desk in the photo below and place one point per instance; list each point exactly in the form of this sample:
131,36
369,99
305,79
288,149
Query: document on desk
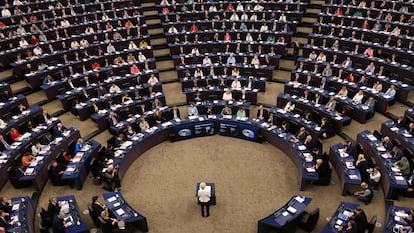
120,211
302,147
353,177
310,169
300,199
285,213
291,209
399,178
111,199
116,204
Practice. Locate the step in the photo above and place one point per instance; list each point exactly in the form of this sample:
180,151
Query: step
158,41
38,98
177,97
154,26
19,86
150,22
317,2
311,15
148,4
150,13
166,65
168,76
312,11
161,52
6,74
314,6
301,29
301,40
311,20
156,31
163,58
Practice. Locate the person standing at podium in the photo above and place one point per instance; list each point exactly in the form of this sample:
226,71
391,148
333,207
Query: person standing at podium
204,199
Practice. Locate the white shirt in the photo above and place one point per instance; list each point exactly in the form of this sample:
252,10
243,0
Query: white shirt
234,17
114,89
23,43
5,13
236,84
37,51
141,58
358,98
207,61
173,30
203,195
132,46
375,176
227,96
198,73
264,28
110,49
152,81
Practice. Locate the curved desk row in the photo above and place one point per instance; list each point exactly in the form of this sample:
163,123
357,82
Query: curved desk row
405,140
214,80
18,147
37,171
220,58
391,180
32,113
402,72
35,78
123,211
58,86
244,128
23,213
342,215
357,111
296,121
283,219
402,88
344,166
307,106
396,218
224,69
78,168
216,93
72,215
101,117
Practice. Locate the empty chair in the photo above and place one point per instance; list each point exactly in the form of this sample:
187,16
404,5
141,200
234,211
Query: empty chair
308,221
106,228
371,224
95,218
289,227
377,134
14,180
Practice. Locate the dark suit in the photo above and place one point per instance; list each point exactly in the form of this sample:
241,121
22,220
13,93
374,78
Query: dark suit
351,149
171,115
361,221
53,209
388,145
58,132
309,145
113,120
120,230
3,145
397,155
58,225
141,109
4,222
323,172
5,207
265,114
43,118
97,209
